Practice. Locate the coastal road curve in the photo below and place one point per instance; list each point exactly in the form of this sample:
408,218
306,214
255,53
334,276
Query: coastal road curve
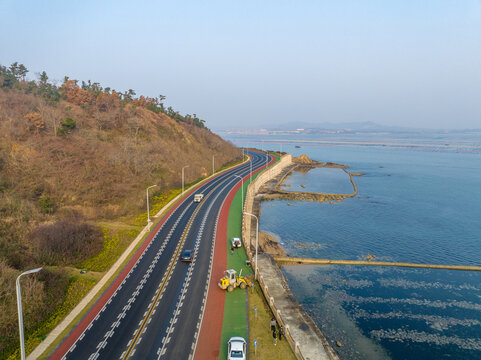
154,308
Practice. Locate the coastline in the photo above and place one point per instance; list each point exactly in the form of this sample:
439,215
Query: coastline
271,190
305,338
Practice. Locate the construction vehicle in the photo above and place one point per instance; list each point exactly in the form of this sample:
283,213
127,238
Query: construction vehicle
230,280
198,197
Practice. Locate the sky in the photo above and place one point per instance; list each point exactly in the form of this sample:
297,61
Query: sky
253,64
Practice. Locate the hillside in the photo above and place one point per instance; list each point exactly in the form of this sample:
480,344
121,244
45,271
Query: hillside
72,164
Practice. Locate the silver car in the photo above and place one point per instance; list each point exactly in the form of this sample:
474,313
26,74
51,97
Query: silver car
237,349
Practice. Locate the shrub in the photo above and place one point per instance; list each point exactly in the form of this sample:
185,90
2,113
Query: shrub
67,126
46,205
67,242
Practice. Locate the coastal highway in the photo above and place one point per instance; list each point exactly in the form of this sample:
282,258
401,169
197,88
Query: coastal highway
154,309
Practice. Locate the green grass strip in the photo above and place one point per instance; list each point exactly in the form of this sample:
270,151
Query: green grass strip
235,312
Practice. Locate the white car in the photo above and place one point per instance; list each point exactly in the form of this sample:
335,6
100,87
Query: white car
236,242
237,349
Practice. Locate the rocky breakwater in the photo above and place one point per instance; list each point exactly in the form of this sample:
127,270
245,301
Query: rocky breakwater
304,164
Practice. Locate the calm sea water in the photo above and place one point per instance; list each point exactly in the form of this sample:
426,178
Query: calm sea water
418,204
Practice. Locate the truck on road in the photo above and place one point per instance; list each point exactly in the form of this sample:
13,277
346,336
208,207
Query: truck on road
198,197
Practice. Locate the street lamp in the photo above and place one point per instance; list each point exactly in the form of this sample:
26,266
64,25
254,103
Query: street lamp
148,212
183,178
242,191
257,234
250,179
20,315
213,167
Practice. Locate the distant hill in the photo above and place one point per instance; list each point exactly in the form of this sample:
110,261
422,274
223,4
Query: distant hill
342,127
72,157
366,125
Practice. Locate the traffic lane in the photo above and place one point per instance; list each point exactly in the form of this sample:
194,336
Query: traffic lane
161,320
190,317
157,335
120,306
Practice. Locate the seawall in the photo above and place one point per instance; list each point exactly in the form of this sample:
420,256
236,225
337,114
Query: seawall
304,337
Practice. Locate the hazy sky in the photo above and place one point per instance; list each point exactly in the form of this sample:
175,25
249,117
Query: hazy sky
257,63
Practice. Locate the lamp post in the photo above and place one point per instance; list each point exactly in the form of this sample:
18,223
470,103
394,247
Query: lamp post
257,234
250,179
148,207
20,315
213,167
242,192
183,178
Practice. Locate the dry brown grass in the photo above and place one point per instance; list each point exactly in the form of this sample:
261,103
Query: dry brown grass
99,172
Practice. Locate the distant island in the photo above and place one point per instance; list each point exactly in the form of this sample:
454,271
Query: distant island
323,128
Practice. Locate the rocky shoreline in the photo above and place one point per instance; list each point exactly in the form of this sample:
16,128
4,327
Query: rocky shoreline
272,190
269,245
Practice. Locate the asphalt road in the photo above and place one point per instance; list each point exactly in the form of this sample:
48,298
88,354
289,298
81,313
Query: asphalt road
156,311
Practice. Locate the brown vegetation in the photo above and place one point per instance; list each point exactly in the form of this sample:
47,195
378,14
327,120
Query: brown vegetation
67,164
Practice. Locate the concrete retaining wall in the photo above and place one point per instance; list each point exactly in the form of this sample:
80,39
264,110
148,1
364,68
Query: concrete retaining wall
307,343
251,192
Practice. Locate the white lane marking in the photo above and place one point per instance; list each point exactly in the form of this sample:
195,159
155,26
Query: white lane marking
109,333
165,341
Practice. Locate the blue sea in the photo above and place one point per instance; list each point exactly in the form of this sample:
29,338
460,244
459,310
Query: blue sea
418,201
